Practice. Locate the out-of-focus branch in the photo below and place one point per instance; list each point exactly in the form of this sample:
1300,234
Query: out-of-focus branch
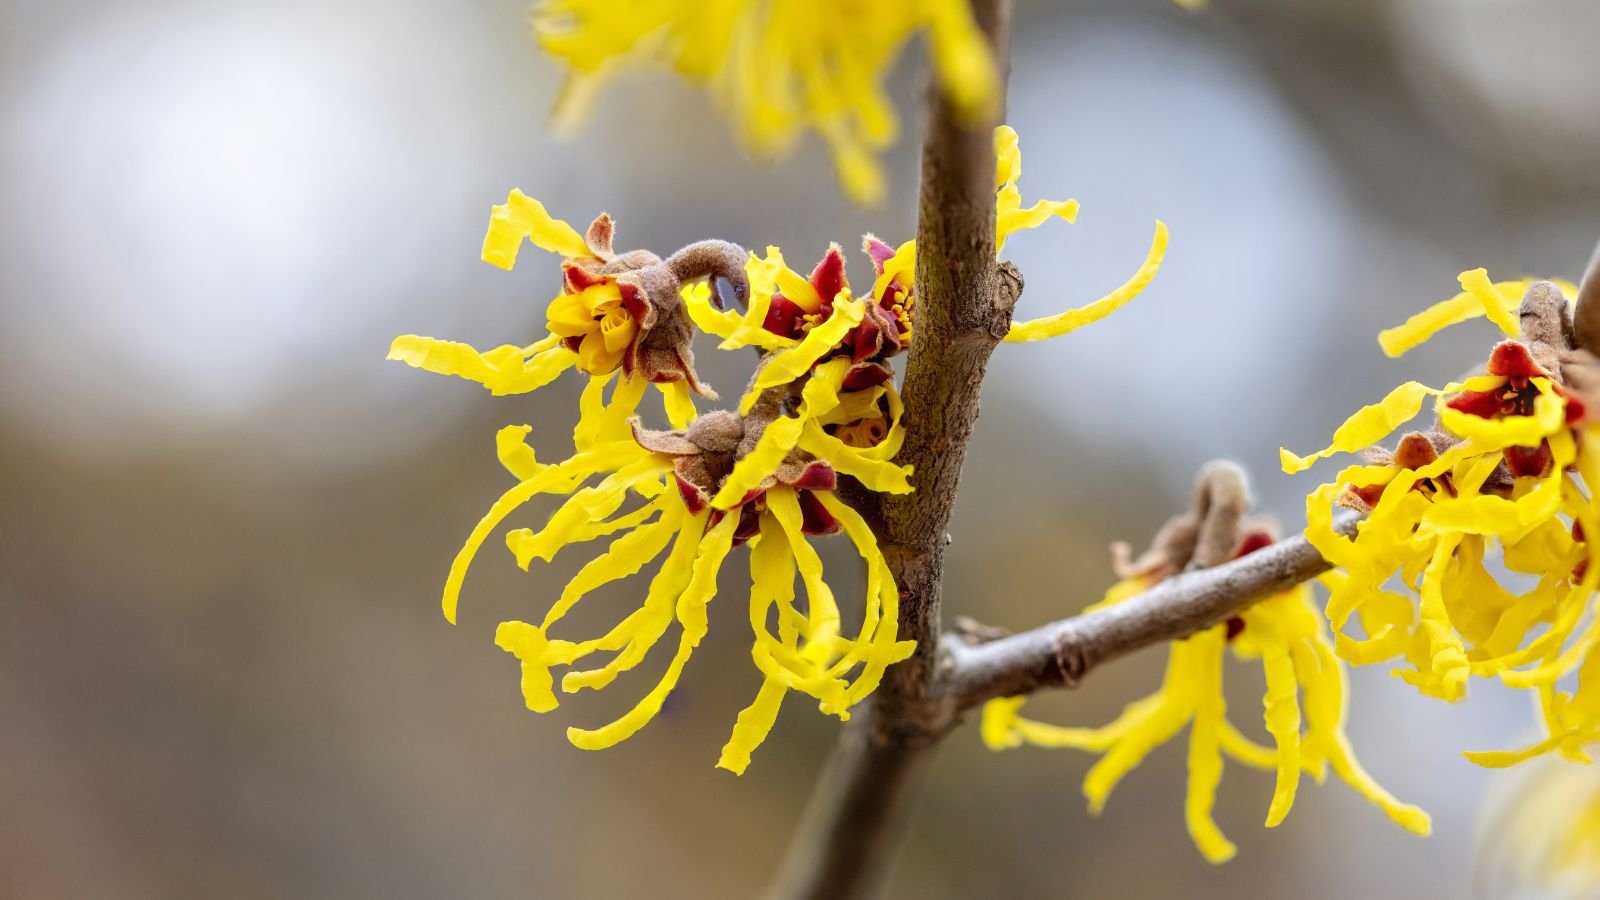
1586,314
1061,653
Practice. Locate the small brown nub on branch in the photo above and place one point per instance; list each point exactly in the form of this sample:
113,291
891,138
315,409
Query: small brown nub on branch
1221,499
1543,316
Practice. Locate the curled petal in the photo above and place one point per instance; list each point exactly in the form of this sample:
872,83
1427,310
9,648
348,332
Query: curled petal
506,369
787,365
522,217
537,654
1368,426
1073,319
1476,282
691,614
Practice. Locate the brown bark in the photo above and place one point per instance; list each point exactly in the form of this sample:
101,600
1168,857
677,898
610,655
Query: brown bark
963,308
1061,653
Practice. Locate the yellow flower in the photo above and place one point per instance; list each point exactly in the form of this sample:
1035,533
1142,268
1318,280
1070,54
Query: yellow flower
1541,836
1506,473
1304,710
615,311
670,477
830,349
779,67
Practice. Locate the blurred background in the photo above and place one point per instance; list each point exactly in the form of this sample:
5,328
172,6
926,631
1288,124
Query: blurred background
225,520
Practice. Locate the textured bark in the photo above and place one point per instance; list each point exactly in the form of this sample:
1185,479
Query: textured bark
963,308
859,812
1061,653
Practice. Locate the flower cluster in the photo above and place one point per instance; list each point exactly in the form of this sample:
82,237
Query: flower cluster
821,406
1540,835
1304,705
779,68
1472,560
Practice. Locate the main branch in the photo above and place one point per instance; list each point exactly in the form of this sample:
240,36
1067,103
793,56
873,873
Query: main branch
963,309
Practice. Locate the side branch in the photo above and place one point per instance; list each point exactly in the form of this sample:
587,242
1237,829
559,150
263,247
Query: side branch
1061,653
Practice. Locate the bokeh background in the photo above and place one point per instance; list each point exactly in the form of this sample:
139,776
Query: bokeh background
224,519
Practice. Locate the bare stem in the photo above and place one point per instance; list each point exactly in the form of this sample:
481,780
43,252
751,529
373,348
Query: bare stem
1061,653
847,837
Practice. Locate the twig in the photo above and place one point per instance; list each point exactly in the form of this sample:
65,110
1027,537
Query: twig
1061,653
963,308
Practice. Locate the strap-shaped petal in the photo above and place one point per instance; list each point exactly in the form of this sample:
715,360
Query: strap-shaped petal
1476,282
1205,750
507,369
1366,427
522,217
691,615
787,365
1462,307
1073,319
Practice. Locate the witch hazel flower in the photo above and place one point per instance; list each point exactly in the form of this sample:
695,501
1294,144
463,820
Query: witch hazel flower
821,411
1462,514
615,311
668,479
1304,706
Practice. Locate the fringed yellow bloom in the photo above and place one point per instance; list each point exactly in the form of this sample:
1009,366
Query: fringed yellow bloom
1540,837
1304,711
615,311
779,67
828,352
672,476
1503,479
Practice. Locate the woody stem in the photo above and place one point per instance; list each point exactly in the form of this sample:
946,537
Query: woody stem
1061,653
847,837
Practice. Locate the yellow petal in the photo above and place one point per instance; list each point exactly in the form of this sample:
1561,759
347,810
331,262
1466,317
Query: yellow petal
1368,426
511,447
1549,416
1282,703
1007,156
961,58
506,369
998,726
874,474
522,217
536,654
1476,282
679,403
1324,700
787,365
1460,308
1205,751
776,441
1151,724
639,632
626,556
691,614
1073,319
752,727
553,478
